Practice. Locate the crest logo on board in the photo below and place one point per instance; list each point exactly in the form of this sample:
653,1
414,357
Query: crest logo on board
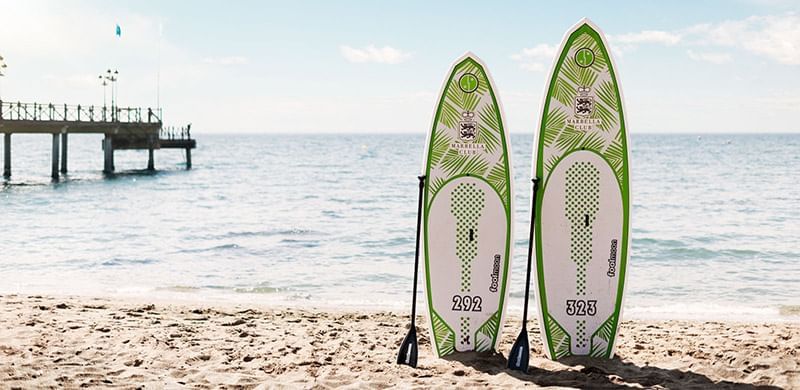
584,108
468,127
584,103
467,134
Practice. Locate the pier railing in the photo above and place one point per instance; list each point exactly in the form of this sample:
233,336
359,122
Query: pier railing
176,132
16,111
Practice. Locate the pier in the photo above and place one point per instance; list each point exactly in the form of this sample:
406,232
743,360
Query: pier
124,128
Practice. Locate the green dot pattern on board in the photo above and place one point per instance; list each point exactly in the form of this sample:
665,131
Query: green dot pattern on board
582,205
464,330
581,340
466,205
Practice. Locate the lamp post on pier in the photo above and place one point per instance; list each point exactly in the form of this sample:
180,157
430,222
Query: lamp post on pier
105,83
111,77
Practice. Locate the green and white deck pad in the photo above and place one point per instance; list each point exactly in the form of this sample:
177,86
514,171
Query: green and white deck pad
582,232
467,213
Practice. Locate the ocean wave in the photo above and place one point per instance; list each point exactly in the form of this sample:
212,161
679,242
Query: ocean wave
211,248
301,243
254,233
114,262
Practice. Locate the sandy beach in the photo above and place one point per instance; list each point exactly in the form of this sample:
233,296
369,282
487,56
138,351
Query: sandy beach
77,342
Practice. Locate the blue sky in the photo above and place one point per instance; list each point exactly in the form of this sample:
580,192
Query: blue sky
348,66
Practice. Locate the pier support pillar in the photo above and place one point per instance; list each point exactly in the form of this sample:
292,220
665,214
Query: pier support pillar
63,152
7,156
188,158
54,170
108,154
151,164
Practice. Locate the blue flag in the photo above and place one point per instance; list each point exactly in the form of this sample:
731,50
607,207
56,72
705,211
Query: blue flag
119,31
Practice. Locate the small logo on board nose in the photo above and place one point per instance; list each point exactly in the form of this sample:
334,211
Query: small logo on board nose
468,82
584,57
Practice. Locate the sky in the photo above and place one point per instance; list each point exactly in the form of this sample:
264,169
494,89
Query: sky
376,67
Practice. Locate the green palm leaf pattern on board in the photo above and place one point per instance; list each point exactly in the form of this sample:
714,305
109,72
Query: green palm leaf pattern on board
450,115
558,135
455,100
560,337
602,338
579,76
439,146
608,95
550,164
485,335
570,138
586,40
437,183
593,141
453,103
497,179
608,118
454,163
615,154
489,133
463,100
563,92
445,337
556,121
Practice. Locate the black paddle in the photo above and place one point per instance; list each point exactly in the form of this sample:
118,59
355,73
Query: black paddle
408,349
520,352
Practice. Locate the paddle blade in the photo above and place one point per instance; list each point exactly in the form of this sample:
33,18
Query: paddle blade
520,352
408,349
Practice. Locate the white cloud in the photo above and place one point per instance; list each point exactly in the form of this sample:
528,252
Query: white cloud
776,37
647,36
232,60
532,66
627,42
712,57
381,55
534,58
538,51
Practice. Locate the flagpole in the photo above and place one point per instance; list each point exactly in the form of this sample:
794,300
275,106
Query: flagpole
158,70
114,97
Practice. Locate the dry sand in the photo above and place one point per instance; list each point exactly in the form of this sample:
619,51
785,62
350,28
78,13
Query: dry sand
79,342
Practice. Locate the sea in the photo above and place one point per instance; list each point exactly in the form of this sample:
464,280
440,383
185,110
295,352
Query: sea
328,220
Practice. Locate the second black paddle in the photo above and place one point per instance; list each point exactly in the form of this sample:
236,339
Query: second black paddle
520,353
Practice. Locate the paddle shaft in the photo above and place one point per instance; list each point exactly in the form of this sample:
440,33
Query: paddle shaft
530,252
416,253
